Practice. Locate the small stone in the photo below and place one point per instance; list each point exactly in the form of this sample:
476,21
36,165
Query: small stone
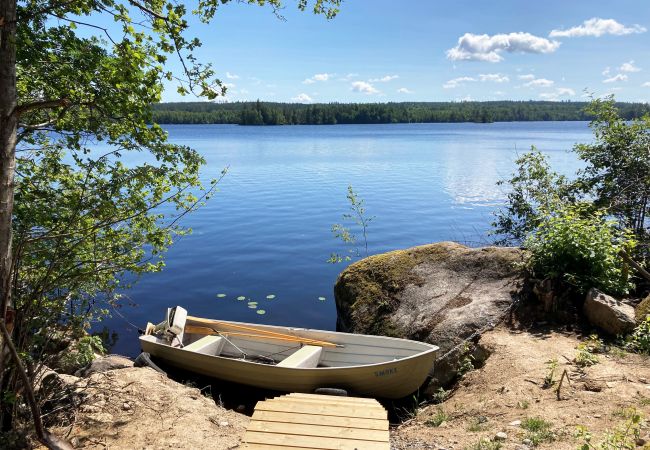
223,424
501,436
515,423
74,442
527,442
241,408
126,407
597,416
642,441
482,419
521,447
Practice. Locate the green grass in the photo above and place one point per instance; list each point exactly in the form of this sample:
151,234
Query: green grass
538,430
485,444
476,425
437,419
523,404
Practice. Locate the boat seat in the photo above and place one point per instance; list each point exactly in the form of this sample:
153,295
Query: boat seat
307,357
207,345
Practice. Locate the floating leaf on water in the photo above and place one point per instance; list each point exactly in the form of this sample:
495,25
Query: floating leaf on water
241,297
221,295
252,303
261,311
322,299
270,296
252,306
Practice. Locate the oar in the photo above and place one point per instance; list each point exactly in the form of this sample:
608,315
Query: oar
276,336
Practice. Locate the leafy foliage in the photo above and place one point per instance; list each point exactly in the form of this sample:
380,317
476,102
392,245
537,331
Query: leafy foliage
581,248
617,173
84,220
534,189
623,437
639,341
358,217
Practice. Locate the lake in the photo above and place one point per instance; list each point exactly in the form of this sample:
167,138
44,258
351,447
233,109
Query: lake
267,232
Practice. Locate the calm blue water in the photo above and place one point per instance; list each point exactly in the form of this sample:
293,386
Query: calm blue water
267,231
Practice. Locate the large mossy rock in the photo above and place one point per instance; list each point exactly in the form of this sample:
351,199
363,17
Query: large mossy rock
441,293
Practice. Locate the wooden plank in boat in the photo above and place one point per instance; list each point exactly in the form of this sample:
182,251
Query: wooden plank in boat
334,421
325,410
314,442
271,447
318,430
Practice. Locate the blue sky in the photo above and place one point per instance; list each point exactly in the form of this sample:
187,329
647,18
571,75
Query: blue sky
430,50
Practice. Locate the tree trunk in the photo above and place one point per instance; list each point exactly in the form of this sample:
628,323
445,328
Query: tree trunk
8,127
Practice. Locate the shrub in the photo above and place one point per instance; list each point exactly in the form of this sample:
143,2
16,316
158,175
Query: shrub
639,341
581,248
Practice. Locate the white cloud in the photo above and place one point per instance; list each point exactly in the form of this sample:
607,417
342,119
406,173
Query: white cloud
540,82
454,83
467,98
527,77
317,77
496,77
499,93
384,79
404,91
301,98
615,78
483,47
244,91
232,76
607,71
598,27
629,67
229,85
646,84
362,86
557,94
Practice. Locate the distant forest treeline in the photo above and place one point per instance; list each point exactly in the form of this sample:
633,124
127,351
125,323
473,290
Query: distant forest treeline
265,113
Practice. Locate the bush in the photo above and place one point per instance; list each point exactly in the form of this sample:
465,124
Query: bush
639,341
581,248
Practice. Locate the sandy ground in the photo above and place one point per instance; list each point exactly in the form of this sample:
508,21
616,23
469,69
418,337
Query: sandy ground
509,388
137,408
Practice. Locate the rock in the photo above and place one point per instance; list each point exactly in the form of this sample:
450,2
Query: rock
500,436
527,442
642,310
440,293
126,406
609,314
104,364
515,423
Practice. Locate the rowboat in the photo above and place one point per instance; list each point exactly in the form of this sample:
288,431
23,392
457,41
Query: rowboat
290,359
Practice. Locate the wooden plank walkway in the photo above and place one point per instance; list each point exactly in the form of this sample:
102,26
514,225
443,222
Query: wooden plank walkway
324,422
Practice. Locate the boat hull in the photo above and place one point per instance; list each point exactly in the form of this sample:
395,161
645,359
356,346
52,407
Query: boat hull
392,379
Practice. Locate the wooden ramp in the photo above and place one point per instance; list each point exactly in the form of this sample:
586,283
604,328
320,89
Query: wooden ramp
308,421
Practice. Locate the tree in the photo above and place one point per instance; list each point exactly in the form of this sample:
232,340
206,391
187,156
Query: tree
83,219
617,172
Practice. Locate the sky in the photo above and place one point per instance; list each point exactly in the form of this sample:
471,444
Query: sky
431,50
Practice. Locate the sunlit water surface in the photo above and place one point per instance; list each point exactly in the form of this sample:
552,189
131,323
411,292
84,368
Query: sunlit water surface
267,231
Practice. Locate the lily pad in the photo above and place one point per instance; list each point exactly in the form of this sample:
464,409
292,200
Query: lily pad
260,311
270,297
252,306
322,299
221,295
252,303
241,297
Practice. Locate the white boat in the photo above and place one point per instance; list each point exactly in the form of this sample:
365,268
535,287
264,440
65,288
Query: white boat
291,359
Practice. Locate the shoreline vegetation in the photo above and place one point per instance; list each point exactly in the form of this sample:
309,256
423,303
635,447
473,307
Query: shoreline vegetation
271,113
